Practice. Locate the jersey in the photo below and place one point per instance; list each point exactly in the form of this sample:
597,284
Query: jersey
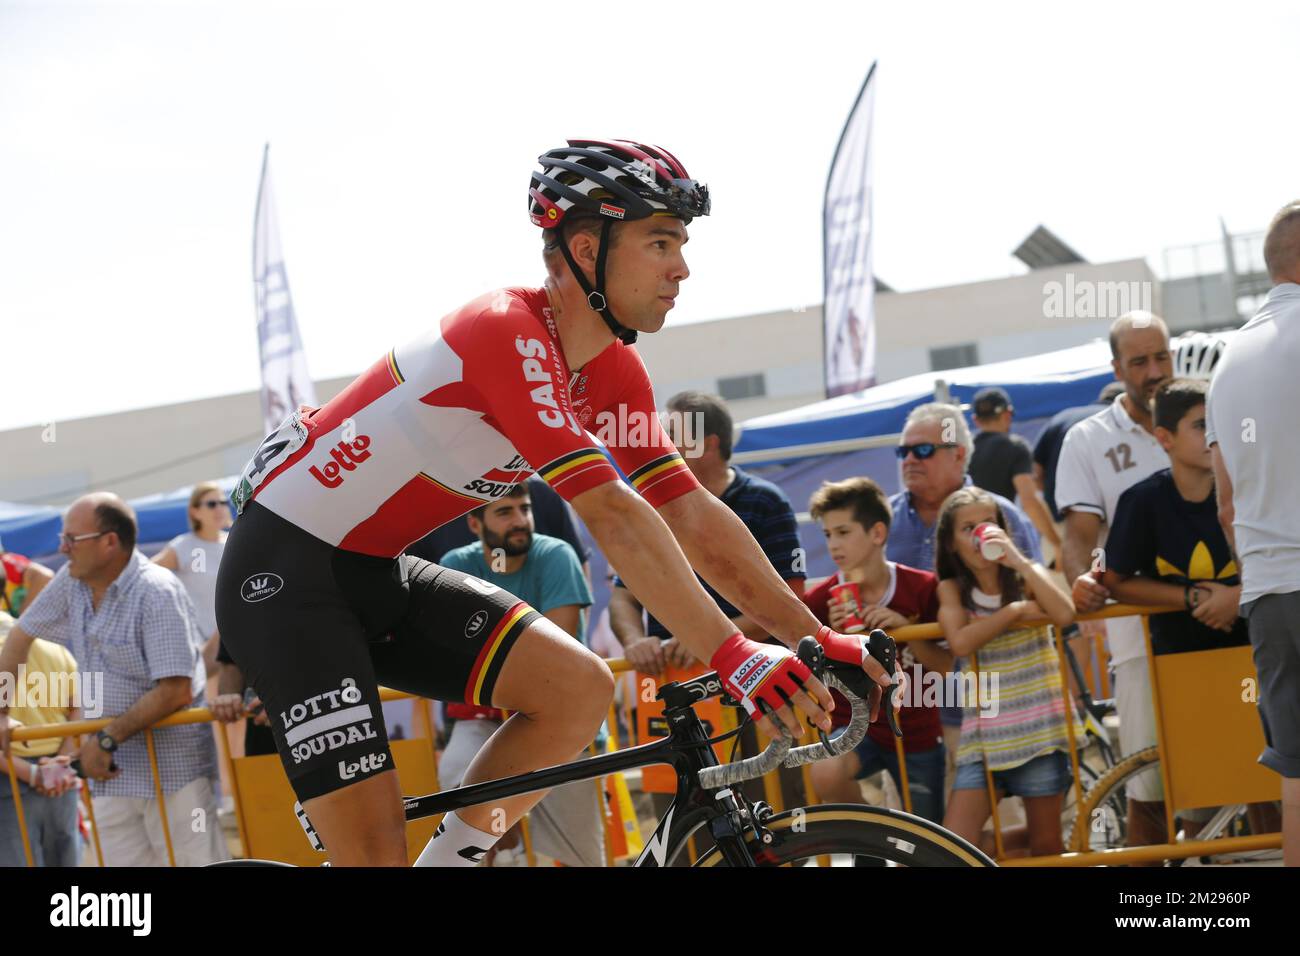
453,420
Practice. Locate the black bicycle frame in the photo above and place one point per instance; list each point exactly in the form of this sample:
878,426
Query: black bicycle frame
686,748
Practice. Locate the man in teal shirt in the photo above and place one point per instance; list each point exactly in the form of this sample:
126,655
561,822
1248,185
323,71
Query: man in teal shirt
545,572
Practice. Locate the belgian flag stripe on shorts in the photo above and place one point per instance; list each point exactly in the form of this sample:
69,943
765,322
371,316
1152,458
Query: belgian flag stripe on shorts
496,647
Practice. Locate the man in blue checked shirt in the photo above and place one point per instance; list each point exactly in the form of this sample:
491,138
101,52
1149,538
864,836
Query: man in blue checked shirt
132,622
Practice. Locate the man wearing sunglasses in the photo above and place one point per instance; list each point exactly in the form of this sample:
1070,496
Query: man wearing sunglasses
132,622
934,454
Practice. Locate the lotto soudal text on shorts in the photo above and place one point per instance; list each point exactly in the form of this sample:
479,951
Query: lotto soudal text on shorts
328,721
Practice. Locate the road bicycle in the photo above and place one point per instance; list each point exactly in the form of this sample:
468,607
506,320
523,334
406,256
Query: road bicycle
729,830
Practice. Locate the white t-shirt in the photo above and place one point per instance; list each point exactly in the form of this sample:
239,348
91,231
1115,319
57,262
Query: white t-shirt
197,562
1101,458
1250,413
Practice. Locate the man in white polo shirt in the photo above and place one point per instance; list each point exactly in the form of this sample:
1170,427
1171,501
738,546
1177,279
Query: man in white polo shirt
1250,428
1103,456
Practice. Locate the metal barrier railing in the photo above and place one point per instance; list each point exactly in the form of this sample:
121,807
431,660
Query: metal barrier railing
1111,857
913,632
80,728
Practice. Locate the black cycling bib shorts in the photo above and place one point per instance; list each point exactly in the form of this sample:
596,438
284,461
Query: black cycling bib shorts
316,630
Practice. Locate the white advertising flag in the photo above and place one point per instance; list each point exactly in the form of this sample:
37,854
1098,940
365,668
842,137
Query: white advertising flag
848,312
285,382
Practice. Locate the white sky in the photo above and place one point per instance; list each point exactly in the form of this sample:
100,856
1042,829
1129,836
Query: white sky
403,135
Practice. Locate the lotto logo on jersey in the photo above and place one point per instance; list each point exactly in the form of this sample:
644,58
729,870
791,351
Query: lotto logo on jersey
345,457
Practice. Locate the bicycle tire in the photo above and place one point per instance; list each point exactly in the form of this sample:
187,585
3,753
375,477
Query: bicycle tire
1104,790
1118,830
859,830
251,863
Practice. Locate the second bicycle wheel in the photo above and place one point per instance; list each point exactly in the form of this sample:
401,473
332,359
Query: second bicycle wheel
1093,824
802,835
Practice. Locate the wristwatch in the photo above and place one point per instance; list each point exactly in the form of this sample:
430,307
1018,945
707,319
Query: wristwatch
106,743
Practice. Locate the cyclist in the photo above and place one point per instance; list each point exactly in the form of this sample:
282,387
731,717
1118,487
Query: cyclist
317,605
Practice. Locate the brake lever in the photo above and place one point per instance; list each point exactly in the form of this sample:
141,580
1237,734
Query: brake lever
813,656
882,647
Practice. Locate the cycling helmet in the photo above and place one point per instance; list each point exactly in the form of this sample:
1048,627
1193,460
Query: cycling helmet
614,180
1197,355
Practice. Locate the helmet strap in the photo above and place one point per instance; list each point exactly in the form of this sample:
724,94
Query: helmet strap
596,299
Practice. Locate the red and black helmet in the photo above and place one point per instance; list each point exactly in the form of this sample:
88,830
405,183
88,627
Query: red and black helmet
617,179
614,180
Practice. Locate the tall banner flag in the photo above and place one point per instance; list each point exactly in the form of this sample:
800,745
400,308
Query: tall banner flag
848,310
285,382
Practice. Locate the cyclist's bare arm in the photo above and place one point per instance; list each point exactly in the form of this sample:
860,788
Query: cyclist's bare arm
648,559
725,554
752,629
639,543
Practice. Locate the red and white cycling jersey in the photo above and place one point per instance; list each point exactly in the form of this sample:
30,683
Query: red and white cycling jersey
452,420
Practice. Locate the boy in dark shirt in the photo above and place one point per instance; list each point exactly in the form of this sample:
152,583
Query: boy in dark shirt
1166,545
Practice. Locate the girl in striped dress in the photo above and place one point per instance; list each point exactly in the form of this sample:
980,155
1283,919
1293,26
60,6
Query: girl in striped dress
1017,726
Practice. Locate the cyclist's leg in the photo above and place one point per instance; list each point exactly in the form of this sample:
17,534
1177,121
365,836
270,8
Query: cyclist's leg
362,824
465,639
298,641
558,693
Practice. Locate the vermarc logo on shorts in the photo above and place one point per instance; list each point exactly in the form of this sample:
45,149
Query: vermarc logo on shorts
475,624
260,586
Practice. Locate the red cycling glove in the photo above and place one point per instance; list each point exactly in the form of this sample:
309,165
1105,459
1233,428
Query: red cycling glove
845,648
762,677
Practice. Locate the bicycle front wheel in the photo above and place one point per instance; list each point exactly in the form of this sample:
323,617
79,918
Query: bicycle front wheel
802,835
